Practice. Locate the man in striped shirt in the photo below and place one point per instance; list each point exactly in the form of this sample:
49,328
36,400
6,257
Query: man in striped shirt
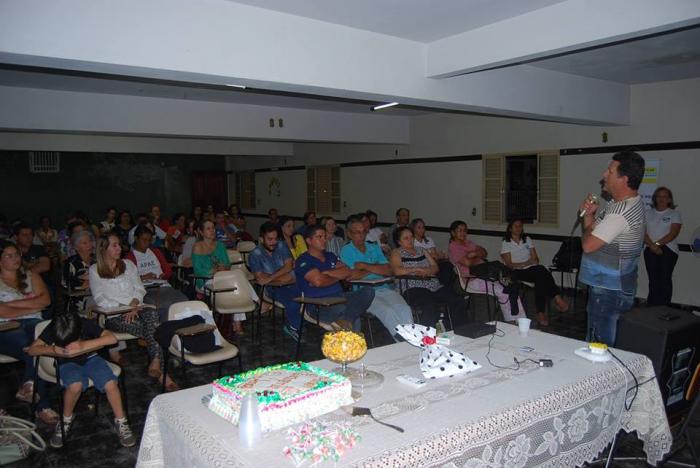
612,242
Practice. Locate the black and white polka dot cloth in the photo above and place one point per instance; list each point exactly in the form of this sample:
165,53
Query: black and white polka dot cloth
435,360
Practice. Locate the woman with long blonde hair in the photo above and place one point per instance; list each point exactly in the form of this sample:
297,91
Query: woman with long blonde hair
114,283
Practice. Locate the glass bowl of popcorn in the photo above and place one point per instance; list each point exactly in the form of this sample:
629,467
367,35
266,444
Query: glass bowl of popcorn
344,347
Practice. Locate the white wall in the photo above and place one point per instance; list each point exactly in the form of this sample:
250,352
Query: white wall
441,192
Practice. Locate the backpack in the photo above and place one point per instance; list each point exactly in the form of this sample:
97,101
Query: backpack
569,254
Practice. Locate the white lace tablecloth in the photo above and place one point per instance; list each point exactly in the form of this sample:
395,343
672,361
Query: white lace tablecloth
559,416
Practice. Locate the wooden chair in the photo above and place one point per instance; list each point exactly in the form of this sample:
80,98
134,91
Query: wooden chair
224,353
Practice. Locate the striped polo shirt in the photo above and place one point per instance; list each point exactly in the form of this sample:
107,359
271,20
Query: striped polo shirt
621,225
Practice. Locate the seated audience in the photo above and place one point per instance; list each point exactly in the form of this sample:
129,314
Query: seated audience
23,295
319,274
295,242
309,222
422,240
65,246
424,292
154,268
272,216
197,214
272,261
225,231
236,217
176,236
122,227
518,253
114,283
334,243
209,256
82,217
46,235
661,253
367,262
464,253
403,215
158,220
209,213
190,237
375,233
76,269
70,333
109,222
34,257
142,219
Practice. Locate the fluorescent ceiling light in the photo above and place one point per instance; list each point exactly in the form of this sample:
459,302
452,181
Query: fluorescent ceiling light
235,86
384,106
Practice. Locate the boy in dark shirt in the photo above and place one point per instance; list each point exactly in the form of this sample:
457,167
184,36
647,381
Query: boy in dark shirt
66,334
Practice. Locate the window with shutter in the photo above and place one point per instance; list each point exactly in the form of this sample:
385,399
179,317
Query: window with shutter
323,189
548,188
492,211
246,190
509,182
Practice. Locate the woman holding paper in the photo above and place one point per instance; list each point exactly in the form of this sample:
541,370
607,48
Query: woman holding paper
115,283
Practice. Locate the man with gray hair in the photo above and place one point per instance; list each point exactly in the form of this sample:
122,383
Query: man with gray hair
369,263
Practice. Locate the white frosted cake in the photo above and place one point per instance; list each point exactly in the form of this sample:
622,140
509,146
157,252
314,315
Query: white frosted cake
287,393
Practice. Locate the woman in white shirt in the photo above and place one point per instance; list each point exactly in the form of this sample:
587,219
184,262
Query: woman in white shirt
518,253
114,283
421,240
661,254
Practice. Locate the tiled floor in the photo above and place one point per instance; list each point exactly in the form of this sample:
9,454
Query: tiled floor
93,442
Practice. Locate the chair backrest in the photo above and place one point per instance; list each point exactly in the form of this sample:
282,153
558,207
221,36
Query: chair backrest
180,306
245,247
241,297
234,256
46,369
192,305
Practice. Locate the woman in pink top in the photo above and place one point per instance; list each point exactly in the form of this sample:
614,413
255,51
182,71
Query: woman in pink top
464,253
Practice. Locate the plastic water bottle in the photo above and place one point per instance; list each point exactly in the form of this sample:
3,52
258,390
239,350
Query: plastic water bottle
249,427
440,326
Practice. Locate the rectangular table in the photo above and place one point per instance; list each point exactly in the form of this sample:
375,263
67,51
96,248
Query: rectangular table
559,416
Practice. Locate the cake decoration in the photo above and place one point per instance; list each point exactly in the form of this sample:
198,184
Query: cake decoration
287,393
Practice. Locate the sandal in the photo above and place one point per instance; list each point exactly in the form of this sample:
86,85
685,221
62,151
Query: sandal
561,304
542,319
170,385
47,416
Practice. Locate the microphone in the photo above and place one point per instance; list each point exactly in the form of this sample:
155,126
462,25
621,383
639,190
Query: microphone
579,219
591,199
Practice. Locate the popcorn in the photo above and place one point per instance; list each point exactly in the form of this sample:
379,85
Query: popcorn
343,346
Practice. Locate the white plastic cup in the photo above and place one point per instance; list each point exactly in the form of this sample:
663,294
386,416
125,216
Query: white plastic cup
524,325
249,427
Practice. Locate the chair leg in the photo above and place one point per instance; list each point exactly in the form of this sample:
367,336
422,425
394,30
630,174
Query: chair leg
297,355
221,364
272,312
166,356
369,329
183,363
32,404
240,361
60,402
97,402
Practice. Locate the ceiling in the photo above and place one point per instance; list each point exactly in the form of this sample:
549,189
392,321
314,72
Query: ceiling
672,56
417,20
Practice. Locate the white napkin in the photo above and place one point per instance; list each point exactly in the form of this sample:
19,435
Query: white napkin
435,360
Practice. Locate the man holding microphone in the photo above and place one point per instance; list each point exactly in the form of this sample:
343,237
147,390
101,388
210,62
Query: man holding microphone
612,242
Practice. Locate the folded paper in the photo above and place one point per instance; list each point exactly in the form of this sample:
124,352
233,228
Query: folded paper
436,360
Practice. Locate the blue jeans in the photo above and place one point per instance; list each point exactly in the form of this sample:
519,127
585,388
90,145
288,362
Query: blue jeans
12,343
605,306
357,304
94,368
285,295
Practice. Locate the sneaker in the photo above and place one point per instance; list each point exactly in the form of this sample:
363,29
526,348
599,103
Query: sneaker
56,440
290,332
126,437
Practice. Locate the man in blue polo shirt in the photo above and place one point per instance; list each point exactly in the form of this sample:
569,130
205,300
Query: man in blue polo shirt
369,263
319,274
271,261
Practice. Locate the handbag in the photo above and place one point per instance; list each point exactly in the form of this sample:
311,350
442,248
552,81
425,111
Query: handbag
17,438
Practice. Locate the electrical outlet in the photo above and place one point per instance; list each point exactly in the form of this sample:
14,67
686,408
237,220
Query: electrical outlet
280,123
272,123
